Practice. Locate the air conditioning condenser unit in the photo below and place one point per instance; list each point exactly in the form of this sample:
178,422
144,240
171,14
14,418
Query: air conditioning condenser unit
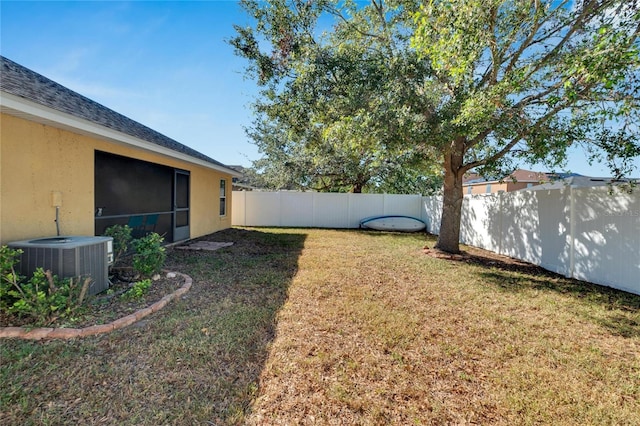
67,257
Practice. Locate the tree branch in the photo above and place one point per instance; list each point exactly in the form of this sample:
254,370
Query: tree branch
528,130
591,6
526,44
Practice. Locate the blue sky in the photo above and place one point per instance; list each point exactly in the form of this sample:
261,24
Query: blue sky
164,64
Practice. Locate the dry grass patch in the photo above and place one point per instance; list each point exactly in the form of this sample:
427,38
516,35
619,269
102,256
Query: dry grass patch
375,332
344,327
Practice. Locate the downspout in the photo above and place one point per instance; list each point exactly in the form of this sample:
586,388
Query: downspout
57,221
56,201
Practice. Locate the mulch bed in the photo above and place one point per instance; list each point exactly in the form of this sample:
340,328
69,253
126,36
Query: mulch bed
204,245
107,306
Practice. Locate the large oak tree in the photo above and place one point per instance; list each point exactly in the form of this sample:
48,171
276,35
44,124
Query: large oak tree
469,84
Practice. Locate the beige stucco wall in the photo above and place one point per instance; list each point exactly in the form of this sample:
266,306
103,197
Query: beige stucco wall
481,188
37,160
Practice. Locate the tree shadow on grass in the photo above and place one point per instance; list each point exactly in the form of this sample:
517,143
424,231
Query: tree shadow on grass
620,310
197,361
242,289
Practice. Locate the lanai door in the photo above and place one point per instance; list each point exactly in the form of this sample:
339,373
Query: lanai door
181,205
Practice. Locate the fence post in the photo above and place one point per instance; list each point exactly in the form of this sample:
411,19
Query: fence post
348,226
572,230
280,208
500,214
314,209
244,207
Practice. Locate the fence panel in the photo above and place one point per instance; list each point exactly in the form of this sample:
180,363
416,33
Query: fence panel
531,228
330,210
432,213
554,230
262,209
480,222
607,238
403,205
362,206
238,207
296,209
317,209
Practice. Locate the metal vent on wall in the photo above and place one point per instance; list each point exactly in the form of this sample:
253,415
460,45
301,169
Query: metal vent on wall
68,256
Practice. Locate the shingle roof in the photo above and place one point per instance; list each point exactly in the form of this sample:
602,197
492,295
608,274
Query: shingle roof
25,83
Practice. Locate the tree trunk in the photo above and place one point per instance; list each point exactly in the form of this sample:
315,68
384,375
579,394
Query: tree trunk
449,237
360,182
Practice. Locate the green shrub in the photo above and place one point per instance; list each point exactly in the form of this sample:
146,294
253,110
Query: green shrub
44,297
138,290
121,239
149,255
8,278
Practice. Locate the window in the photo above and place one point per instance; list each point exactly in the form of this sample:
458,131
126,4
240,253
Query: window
529,185
469,189
223,197
488,191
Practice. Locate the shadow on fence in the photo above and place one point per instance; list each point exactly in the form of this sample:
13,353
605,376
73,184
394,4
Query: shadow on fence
585,233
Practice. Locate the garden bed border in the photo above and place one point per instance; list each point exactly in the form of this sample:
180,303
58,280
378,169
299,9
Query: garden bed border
72,333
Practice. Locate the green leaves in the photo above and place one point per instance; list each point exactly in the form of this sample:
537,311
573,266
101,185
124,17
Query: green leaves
43,297
122,237
452,35
348,103
137,290
149,255
359,90
507,69
421,74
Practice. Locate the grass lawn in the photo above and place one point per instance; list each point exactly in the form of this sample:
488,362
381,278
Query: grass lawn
305,326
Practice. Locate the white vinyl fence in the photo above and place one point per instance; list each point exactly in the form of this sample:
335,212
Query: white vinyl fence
317,209
584,233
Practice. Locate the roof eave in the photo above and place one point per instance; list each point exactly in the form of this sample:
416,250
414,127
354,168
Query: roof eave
29,110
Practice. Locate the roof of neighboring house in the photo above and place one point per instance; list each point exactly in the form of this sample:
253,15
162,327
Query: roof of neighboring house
26,84
470,177
519,175
245,181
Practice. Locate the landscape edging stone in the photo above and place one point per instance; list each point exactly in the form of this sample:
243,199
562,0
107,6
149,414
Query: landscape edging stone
41,333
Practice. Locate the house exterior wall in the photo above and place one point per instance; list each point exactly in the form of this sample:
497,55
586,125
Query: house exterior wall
38,160
205,202
481,188
514,186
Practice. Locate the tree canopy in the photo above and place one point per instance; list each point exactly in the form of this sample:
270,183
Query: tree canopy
526,79
455,84
327,118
